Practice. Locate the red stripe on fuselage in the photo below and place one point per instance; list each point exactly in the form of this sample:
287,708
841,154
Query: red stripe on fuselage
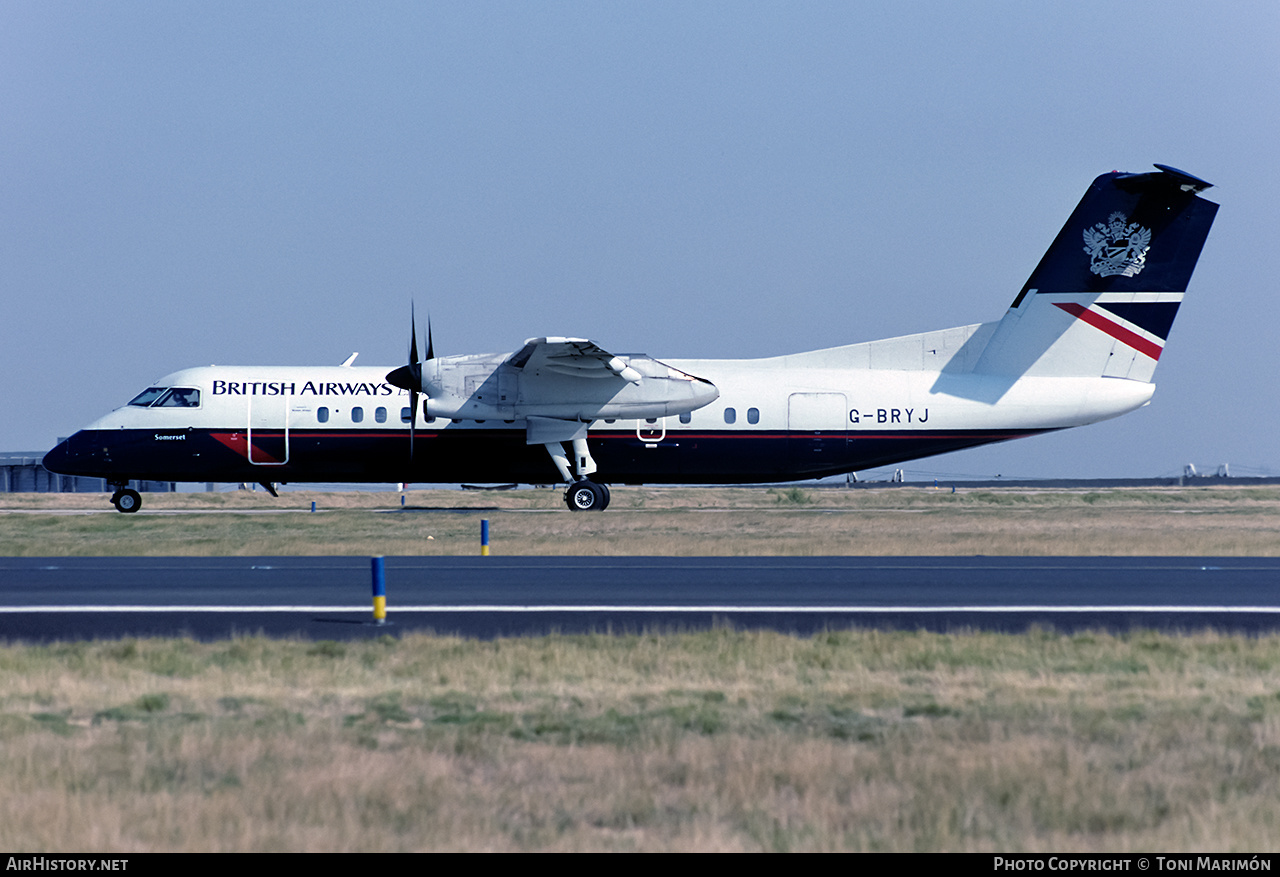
1115,330
238,442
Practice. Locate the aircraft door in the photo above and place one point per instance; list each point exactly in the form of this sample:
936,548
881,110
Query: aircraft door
816,431
267,436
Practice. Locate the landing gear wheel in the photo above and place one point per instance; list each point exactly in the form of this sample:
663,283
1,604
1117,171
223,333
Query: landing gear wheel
604,490
127,501
585,496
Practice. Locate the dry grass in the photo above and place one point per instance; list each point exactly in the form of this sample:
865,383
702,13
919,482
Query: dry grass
710,741
661,521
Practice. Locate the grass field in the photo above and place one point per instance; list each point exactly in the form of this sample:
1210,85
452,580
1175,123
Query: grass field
718,740
659,521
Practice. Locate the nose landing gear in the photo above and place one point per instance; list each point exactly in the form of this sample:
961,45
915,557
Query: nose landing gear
126,500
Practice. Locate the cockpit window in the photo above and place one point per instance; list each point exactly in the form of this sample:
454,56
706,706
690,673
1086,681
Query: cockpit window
164,397
147,396
180,397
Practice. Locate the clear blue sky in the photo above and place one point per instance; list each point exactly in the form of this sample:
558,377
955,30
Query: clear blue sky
229,182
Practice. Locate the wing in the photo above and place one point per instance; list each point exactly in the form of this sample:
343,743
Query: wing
575,357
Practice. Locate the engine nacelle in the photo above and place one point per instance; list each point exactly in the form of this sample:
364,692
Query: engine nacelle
638,388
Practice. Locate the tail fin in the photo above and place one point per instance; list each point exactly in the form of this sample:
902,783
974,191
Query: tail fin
1103,298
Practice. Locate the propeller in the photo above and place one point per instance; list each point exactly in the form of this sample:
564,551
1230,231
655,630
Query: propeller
409,377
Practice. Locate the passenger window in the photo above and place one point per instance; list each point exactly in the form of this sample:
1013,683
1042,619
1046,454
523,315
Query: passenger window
322,415
753,415
686,417
730,416
404,414
357,415
380,415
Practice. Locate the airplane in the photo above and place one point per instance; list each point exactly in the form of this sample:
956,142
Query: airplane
1078,345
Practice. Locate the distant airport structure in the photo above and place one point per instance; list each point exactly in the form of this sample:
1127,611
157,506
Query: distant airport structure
1197,480
22,472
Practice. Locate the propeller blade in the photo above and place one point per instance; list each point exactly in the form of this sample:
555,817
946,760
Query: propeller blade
409,377
413,336
413,420
415,373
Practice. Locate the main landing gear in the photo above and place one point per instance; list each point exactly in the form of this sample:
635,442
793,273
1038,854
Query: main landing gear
126,500
587,496
581,494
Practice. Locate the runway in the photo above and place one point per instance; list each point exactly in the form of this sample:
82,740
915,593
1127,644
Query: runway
46,599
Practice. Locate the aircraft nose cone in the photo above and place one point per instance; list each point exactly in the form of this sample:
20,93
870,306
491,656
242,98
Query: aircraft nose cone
71,457
58,459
